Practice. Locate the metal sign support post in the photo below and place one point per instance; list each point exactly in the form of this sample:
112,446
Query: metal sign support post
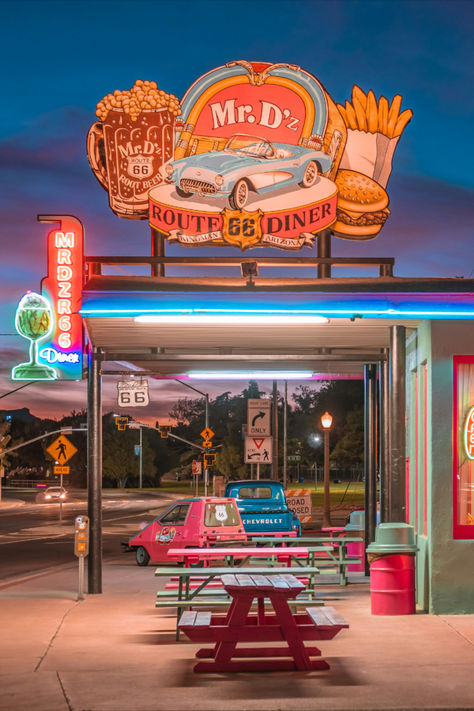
258,471
140,474
60,500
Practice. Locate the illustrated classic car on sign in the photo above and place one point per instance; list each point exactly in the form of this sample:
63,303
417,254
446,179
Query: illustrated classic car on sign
246,163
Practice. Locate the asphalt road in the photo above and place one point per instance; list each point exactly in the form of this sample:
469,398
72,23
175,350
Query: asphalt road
33,539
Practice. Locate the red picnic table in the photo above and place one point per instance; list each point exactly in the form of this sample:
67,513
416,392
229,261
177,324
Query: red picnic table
282,554
240,626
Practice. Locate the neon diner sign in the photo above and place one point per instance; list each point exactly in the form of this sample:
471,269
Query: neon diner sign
63,288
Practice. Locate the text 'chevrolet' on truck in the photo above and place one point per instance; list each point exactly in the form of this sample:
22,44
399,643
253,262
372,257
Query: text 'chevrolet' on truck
263,508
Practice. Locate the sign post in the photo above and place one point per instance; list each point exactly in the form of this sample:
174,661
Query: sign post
197,471
207,434
62,449
81,549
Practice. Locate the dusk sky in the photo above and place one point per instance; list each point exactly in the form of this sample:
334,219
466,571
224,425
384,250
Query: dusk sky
60,58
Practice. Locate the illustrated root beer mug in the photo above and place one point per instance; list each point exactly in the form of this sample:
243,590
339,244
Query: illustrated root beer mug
128,148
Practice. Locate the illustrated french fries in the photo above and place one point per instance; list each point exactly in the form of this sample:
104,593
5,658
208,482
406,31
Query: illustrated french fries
351,117
393,114
360,114
364,113
403,119
343,113
372,113
358,94
383,115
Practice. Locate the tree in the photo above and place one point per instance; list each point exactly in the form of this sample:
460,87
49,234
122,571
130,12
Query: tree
119,463
349,449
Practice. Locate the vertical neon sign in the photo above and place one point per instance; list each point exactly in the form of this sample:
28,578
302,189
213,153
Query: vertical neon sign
469,434
63,288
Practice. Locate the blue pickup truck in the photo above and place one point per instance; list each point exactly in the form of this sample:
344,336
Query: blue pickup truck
262,506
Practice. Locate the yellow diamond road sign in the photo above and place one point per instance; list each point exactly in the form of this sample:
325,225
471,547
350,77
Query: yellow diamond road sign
61,450
207,433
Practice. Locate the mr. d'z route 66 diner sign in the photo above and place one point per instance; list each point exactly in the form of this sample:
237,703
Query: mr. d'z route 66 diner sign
254,155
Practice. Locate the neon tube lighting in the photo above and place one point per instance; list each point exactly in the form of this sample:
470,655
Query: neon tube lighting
330,312
250,375
231,319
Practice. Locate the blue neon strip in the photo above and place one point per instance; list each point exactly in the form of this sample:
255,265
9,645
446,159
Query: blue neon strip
379,305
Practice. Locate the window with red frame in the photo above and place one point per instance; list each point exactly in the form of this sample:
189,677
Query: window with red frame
463,449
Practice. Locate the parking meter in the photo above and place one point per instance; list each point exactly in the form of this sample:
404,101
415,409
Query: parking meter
81,548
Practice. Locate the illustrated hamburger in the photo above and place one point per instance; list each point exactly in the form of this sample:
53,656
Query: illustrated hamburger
361,206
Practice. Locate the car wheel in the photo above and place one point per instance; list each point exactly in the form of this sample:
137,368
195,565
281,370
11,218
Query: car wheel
310,175
239,195
142,556
182,193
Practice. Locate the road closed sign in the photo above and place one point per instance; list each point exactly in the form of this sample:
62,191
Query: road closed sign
299,501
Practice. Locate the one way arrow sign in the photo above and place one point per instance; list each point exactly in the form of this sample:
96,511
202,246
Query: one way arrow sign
258,417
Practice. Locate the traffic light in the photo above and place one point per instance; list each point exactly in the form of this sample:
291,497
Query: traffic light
164,430
209,460
121,423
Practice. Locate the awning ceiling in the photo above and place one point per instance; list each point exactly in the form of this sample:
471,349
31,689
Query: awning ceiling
358,330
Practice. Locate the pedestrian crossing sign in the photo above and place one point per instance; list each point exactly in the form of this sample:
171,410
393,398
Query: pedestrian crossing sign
61,450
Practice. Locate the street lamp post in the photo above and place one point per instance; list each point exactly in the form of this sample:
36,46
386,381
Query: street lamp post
326,421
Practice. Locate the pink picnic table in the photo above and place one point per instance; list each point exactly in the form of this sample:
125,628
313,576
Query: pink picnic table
191,556
240,626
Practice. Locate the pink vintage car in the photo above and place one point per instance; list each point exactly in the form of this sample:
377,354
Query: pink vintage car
188,523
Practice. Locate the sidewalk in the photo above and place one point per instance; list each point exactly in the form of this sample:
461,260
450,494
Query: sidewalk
115,652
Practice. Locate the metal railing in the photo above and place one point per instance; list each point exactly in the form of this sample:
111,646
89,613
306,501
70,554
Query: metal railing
95,264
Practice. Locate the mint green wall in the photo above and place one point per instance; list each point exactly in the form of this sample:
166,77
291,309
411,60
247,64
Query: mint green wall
445,570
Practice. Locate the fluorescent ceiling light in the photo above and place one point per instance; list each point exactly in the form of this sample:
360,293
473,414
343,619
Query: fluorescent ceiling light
230,319
250,374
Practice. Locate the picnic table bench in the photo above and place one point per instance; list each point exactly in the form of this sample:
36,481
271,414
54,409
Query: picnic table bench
239,625
192,590
327,553
237,555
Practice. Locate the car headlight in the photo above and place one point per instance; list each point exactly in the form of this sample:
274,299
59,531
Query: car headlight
219,180
169,169
48,496
63,496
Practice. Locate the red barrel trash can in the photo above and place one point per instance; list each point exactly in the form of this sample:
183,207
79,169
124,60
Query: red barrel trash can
392,585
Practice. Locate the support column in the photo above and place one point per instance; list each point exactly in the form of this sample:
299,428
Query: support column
275,432
384,438
285,436
397,495
324,250
157,250
370,452
94,470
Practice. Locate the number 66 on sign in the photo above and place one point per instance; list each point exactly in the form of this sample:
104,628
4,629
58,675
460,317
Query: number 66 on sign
133,393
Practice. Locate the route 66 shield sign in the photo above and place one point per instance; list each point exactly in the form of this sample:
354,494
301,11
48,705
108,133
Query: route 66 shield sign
242,228
133,393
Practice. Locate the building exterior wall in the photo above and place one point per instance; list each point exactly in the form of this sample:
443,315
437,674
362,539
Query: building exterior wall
445,579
